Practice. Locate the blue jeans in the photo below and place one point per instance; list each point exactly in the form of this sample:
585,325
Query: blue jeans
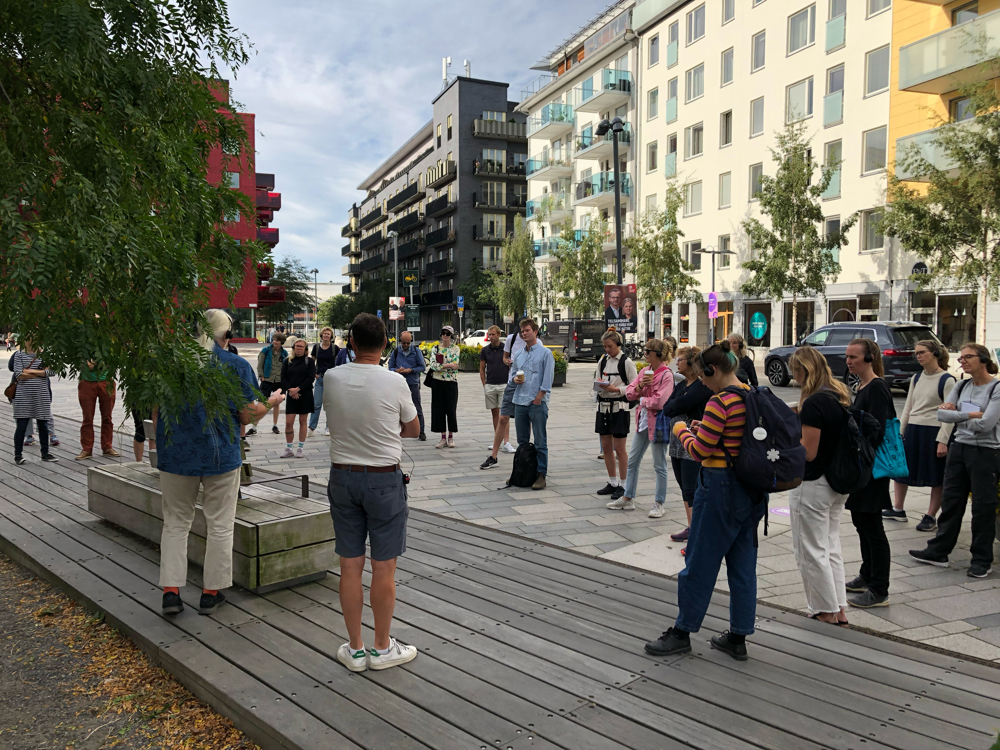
318,398
415,397
640,442
723,526
530,420
51,425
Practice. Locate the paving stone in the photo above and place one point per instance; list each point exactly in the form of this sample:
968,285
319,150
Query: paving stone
990,635
965,643
973,604
542,508
925,593
594,537
921,634
905,615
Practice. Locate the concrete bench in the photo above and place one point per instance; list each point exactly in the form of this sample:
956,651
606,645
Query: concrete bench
280,539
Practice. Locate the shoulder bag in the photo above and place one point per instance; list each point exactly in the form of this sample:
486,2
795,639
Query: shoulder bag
11,390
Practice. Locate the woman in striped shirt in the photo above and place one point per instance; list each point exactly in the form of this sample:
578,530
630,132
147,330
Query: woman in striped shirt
724,518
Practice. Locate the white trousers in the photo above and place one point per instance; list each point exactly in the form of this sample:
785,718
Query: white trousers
219,495
816,512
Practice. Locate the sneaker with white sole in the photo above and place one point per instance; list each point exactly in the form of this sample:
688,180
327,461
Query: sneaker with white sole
442,443
622,503
356,661
289,453
251,431
657,511
299,453
508,448
451,442
312,430
398,654
326,432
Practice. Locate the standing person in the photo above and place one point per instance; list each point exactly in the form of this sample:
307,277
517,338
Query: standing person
408,361
747,372
864,359
373,410
95,388
815,508
501,435
443,363
925,439
298,374
32,400
651,388
139,435
534,367
270,361
345,355
972,467
724,520
200,455
324,354
29,434
686,404
614,372
494,372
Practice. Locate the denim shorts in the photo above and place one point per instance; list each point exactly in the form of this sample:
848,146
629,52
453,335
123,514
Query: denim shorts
507,405
368,507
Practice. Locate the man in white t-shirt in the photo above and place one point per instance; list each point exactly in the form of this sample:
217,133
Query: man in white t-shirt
373,411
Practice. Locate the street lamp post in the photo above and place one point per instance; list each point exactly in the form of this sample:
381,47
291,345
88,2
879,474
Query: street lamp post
315,273
615,126
395,273
712,251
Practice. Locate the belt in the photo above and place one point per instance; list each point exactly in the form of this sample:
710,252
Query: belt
366,469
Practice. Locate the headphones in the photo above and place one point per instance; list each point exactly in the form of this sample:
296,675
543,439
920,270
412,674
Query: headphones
868,352
706,370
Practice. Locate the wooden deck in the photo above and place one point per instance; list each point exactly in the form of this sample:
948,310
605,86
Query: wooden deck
522,645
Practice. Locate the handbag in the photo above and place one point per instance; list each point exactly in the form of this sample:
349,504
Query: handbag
890,458
11,390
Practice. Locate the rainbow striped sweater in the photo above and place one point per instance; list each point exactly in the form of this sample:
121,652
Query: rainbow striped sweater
722,426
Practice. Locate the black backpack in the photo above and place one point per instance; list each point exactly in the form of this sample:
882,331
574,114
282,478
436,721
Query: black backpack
622,373
850,467
525,470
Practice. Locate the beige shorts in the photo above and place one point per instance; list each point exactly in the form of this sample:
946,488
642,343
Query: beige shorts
494,395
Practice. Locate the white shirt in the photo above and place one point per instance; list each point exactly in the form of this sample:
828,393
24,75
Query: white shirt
512,345
367,405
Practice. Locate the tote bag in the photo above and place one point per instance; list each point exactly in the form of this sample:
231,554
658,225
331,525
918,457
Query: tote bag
890,459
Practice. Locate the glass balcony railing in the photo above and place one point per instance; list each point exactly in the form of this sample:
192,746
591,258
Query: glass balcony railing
548,246
833,189
602,184
833,108
670,109
612,88
950,59
537,85
548,205
551,114
545,161
587,139
670,165
928,149
671,54
835,32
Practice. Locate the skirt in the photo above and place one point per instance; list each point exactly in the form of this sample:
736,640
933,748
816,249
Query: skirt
615,423
920,445
304,404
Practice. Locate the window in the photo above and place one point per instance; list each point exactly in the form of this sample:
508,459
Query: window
728,11
725,190
831,160
449,129
694,81
968,12
872,240
756,183
672,85
439,135
877,70
692,199
835,79
696,24
756,117
233,217
727,67
493,115
961,109
692,254
873,147
838,8
651,203
724,260
799,101
694,141
877,6
726,129
652,152
757,47
801,29
231,179
831,227
652,104
653,55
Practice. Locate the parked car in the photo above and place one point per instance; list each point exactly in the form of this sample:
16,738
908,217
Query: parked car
895,338
557,335
478,338
586,339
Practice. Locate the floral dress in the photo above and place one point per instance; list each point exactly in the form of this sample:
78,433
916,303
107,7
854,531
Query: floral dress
451,355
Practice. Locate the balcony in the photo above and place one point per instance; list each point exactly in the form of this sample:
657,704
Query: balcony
670,109
372,218
599,189
546,166
615,90
346,231
411,248
488,233
928,149
440,297
374,262
439,268
270,295
670,165
590,146
269,200
537,85
545,250
268,235
833,189
410,221
553,121
346,289
351,269
264,180
671,54
508,131
949,60
346,250
553,206
371,240
438,237
833,109
440,207
405,197
836,29
438,176
491,168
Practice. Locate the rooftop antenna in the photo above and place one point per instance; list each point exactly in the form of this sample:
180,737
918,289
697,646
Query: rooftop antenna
445,64
468,68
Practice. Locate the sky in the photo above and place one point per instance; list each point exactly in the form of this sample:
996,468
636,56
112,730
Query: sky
337,86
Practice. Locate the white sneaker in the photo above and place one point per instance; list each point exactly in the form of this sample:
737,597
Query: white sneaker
443,443
451,442
657,511
622,503
299,453
289,453
398,654
508,448
356,661
326,432
311,430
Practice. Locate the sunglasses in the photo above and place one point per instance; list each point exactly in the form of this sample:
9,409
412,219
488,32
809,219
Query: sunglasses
652,351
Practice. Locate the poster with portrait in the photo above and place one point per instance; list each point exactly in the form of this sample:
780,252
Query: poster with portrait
397,308
621,307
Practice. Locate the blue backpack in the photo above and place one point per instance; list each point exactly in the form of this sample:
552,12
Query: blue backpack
772,457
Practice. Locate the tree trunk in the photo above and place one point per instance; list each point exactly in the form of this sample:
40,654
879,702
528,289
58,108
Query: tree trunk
981,317
795,318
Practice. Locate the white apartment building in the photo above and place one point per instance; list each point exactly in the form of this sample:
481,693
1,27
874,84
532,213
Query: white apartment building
586,79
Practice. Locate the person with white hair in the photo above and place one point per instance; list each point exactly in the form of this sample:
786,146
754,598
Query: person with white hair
200,455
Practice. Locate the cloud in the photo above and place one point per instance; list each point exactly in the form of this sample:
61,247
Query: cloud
337,86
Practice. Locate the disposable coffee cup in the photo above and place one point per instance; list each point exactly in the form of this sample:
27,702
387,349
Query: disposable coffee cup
520,375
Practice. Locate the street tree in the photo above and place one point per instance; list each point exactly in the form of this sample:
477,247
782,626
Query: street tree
338,311
109,110
478,291
792,255
292,274
516,288
580,277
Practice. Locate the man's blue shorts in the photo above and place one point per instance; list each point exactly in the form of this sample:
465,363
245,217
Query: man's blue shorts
368,506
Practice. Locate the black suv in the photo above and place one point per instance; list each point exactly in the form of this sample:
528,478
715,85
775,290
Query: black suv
895,338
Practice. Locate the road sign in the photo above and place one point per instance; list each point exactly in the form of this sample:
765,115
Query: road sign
409,277
461,303
379,313
713,305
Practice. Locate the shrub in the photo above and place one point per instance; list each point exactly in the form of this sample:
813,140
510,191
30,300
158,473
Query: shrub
562,364
468,357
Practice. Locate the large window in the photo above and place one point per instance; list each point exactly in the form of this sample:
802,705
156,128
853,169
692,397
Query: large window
728,10
652,151
831,159
758,47
231,179
692,253
838,8
799,101
726,129
651,203
725,190
874,148
694,141
877,6
957,320
835,79
654,51
872,240
694,83
692,198
725,261
727,67
696,24
968,12
756,183
961,109
756,117
831,225
802,29
877,71
652,104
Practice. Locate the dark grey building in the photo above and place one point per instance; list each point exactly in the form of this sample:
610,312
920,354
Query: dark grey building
450,194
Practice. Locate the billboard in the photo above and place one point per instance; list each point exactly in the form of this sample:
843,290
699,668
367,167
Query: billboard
621,308
397,307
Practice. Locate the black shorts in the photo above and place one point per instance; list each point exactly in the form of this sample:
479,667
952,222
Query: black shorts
615,423
268,388
140,428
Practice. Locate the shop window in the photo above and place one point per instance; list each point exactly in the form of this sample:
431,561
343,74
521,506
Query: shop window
868,307
803,323
684,323
842,310
957,315
923,306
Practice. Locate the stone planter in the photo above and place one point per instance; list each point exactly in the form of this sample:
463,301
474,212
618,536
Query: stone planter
558,379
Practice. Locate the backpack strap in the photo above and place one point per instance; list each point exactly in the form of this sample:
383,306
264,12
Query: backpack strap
941,382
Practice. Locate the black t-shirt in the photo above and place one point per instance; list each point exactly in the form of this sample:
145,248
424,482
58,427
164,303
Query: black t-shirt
823,411
496,370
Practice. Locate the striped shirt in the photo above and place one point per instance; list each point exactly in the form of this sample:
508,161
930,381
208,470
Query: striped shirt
724,421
